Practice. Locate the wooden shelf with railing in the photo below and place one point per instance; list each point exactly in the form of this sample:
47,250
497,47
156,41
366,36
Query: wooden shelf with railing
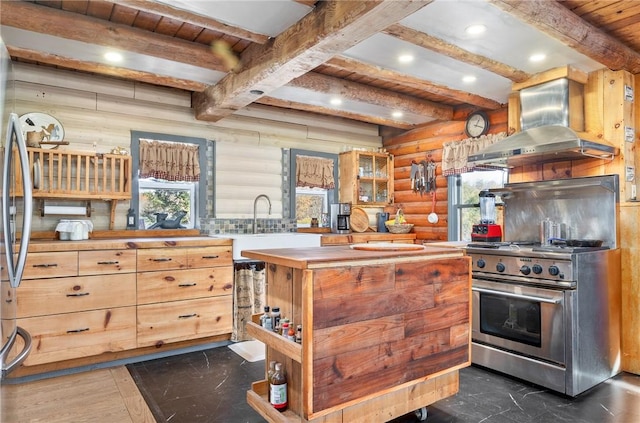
79,175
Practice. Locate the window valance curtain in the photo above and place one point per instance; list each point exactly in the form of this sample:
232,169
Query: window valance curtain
455,154
314,172
170,161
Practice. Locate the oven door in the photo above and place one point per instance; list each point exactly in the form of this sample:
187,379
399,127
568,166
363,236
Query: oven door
522,319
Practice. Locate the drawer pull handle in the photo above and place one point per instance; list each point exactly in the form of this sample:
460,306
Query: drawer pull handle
187,285
46,265
210,257
78,330
161,259
79,294
109,262
186,316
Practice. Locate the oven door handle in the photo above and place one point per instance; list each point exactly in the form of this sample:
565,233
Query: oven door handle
519,296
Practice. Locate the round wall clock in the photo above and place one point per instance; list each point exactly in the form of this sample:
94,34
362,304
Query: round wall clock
477,124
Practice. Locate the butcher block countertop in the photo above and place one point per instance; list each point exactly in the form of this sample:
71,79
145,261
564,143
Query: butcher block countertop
315,257
126,243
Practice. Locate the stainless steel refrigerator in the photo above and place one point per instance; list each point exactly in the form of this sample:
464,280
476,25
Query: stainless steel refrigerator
15,225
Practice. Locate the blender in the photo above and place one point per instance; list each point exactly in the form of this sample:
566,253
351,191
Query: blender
487,230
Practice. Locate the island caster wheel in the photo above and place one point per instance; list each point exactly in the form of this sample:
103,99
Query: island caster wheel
421,414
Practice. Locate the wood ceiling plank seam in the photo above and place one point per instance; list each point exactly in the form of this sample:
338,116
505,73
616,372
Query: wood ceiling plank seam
123,15
100,10
75,6
146,21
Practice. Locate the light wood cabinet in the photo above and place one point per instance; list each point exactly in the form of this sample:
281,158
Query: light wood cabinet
184,293
366,178
91,301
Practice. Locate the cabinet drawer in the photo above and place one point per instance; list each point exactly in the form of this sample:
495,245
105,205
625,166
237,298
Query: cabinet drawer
106,261
172,285
210,256
51,265
181,320
162,259
72,335
65,295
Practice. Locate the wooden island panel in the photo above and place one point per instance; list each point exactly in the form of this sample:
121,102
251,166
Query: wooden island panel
384,332
377,327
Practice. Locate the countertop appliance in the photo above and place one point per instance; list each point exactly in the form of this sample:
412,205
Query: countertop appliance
550,314
340,218
487,229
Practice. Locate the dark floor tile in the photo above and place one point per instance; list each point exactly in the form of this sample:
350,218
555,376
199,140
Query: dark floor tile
210,387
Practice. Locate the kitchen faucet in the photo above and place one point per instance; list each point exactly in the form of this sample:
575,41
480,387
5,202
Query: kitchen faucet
255,203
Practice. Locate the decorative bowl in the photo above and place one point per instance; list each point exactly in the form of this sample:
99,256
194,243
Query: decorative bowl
401,228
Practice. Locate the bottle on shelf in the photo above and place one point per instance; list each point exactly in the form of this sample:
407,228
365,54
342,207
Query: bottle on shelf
278,389
291,334
275,318
265,320
272,370
285,328
299,334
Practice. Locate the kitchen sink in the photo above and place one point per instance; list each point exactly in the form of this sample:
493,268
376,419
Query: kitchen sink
270,240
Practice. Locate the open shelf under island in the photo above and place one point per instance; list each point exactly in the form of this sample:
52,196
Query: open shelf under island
384,332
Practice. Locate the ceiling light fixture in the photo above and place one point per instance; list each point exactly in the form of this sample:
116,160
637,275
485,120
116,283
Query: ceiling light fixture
405,58
475,29
113,56
335,101
538,57
469,79
397,114
256,92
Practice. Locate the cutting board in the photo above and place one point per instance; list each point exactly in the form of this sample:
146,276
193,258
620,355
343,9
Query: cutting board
386,246
359,220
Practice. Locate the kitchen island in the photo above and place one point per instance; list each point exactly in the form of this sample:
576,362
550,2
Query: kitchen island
385,330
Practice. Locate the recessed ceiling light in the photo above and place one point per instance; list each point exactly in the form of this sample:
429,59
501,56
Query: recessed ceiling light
335,101
397,114
256,92
405,58
475,29
468,79
113,56
538,57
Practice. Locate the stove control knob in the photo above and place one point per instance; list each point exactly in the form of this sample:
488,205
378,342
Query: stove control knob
481,263
500,267
525,270
537,269
554,271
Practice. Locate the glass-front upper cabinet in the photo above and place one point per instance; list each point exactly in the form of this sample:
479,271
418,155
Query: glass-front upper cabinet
366,178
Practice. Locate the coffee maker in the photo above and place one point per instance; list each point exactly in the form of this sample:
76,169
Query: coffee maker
340,218
487,230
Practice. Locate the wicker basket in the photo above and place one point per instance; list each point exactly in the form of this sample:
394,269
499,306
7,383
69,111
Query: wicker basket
402,228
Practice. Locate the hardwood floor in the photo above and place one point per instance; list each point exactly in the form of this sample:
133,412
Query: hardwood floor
106,395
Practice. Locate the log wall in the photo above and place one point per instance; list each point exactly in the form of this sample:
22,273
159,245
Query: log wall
426,143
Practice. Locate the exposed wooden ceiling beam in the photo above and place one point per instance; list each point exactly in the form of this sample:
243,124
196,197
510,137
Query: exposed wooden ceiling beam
352,65
331,28
565,26
276,102
355,91
171,12
55,22
149,78
440,46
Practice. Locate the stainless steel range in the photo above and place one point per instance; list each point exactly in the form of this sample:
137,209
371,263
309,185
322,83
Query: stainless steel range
549,314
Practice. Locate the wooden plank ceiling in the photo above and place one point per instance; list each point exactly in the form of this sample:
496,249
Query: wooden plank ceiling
228,66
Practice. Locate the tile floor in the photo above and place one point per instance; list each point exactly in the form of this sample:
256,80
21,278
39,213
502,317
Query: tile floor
209,387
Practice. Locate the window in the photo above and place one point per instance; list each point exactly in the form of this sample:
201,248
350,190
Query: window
155,200
307,203
159,200
464,190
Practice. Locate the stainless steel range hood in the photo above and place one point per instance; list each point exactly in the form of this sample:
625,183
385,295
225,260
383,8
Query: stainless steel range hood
549,111
538,145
